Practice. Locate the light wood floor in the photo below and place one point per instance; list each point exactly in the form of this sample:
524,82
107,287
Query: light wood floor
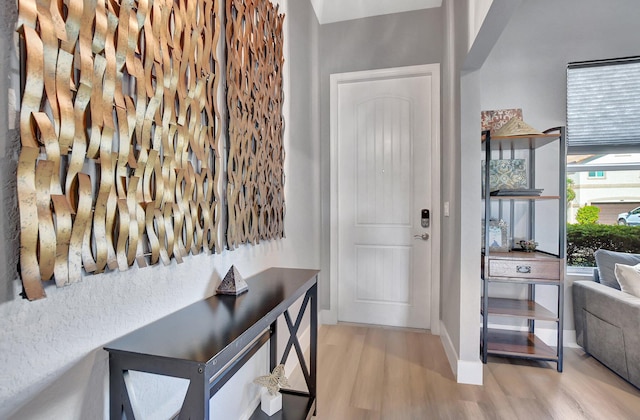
382,373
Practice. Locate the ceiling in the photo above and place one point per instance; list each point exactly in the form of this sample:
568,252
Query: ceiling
329,11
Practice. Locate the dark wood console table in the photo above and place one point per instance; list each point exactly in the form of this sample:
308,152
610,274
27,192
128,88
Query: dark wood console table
207,343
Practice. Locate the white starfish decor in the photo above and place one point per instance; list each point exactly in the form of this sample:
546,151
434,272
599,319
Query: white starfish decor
274,381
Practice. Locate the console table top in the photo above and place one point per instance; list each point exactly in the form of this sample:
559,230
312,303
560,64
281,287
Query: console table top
202,330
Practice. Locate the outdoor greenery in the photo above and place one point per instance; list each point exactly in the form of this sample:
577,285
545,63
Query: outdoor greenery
583,240
588,215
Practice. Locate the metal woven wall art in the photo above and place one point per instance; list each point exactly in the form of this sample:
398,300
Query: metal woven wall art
120,127
255,187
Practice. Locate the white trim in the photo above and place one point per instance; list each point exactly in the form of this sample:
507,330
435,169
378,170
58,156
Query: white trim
469,372
579,272
328,317
576,167
336,79
570,339
465,371
248,412
550,337
449,348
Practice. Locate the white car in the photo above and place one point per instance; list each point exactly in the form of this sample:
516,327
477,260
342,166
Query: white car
631,218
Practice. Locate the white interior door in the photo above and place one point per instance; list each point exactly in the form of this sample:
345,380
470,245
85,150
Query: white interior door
385,131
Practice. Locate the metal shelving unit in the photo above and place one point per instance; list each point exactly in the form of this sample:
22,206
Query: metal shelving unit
530,269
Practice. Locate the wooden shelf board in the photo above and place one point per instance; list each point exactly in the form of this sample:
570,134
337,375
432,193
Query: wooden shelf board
520,142
295,406
520,280
527,136
521,255
518,308
525,197
519,344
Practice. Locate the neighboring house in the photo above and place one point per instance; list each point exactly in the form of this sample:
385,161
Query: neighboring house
598,184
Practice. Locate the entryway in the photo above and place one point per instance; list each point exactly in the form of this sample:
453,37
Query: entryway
385,196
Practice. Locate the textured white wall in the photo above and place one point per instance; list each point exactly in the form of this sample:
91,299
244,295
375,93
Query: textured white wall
51,357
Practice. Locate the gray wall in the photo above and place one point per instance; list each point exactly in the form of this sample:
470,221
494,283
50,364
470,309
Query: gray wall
455,51
468,188
397,40
302,126
461,150
527,66
53,365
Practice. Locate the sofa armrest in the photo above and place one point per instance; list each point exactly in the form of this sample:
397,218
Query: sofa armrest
611,305
608,306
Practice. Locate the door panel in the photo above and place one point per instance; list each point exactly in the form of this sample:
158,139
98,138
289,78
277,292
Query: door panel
383,150
375,266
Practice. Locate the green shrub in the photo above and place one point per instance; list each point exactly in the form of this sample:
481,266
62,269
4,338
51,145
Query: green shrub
588,215
583,240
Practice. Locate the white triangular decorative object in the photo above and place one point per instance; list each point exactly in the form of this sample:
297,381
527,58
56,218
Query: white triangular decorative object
232,284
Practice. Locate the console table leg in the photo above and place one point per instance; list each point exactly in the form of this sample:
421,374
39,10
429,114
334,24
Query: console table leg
273,346
119,401
313,351
116,389
196,402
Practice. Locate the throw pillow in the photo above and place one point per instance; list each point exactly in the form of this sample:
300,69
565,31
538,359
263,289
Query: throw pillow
629,278
606,262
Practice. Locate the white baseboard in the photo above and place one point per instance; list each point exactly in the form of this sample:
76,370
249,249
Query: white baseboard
449,349
246,415
469,372
550,337
328,317
570,339
465,371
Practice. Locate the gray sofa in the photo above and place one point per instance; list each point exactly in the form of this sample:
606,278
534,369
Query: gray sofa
607,320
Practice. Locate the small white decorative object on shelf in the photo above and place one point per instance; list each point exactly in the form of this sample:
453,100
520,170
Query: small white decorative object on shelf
271,398
232,284
270,404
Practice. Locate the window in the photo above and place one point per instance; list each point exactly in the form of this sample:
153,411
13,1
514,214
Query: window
603,159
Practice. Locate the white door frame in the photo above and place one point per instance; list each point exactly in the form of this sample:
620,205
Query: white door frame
432,70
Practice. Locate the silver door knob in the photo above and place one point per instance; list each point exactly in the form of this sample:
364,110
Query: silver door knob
424,236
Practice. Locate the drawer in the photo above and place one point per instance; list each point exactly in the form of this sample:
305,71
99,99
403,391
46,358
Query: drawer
530,269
